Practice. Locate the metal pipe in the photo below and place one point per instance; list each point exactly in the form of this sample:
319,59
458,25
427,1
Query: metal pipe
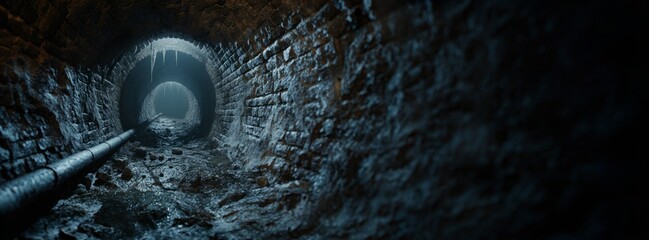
19,192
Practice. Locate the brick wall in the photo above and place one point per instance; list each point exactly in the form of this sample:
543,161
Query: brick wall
77,56
444,119
49,113
441,119
49,108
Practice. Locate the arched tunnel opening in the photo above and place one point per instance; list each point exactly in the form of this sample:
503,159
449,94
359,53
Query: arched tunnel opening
173,83
178,103
333,119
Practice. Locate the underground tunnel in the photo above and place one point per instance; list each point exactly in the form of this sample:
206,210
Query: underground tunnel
178,86
323,119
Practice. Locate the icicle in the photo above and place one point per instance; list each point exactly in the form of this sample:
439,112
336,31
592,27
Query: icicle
164,90
163,57
176,58
152,62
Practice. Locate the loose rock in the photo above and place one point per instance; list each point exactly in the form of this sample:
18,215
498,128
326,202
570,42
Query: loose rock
127,174
102,178
139,152
120,164
176,151
262,182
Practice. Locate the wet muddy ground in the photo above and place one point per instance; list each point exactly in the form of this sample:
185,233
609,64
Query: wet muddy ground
172,189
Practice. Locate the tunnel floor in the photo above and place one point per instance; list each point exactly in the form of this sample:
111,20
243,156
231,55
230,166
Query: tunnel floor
168,131
175,190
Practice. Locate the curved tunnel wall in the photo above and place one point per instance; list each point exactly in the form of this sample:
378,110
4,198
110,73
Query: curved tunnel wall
50,113
189,109
142,78
460,114
410,108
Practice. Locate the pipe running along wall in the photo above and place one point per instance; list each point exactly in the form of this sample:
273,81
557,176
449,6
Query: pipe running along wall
20,192
444,118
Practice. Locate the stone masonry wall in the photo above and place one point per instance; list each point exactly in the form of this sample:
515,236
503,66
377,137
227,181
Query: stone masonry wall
437,119
50,113
46,40
49,109
445,120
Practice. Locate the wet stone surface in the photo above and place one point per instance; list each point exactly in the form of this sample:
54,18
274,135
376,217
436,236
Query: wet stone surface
148,192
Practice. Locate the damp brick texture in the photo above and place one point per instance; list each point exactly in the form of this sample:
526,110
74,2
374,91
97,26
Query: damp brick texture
434,119
445,119
47,115
49,111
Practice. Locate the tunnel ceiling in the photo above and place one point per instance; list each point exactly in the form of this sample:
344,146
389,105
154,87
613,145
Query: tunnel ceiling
92,32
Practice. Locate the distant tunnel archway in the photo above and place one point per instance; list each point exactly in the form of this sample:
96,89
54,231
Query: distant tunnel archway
155,65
